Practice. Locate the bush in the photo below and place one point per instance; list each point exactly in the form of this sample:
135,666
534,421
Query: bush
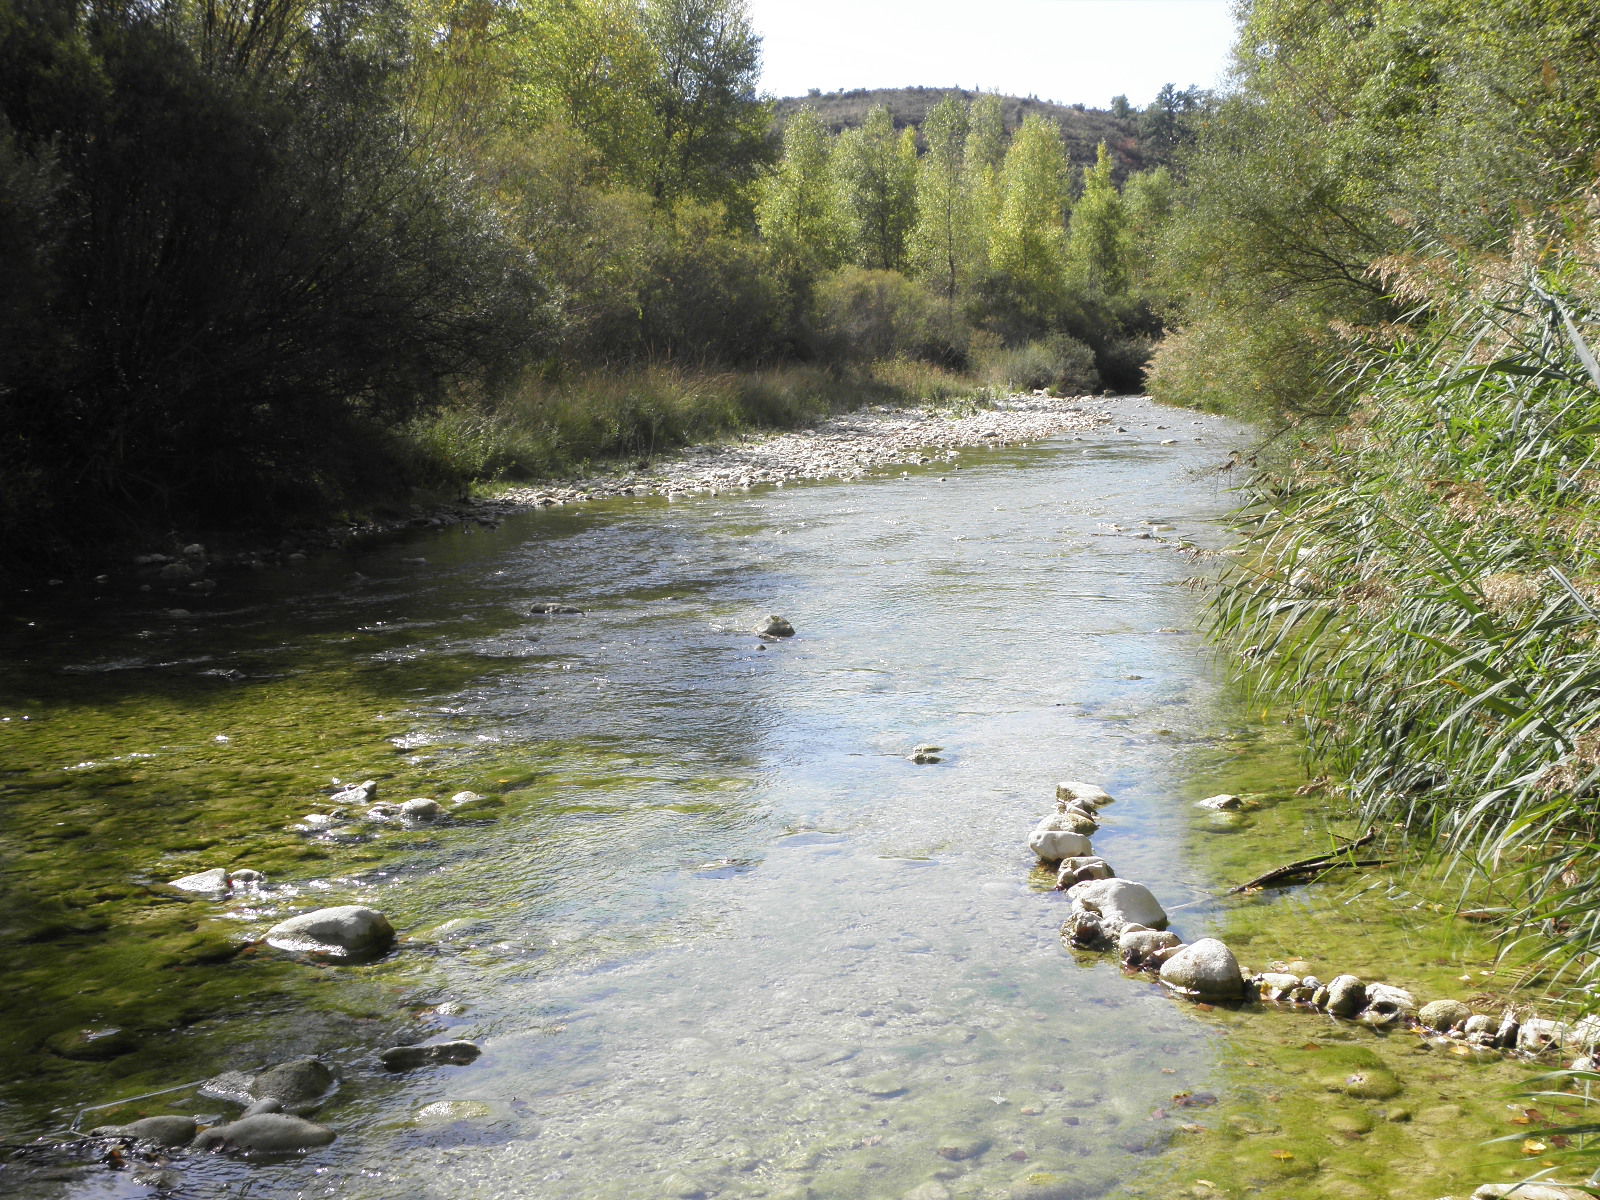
862,314
1061,363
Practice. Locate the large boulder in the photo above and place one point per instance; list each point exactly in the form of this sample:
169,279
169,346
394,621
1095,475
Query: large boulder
1204,970
1119,902
266,1133
347,933
1530,1191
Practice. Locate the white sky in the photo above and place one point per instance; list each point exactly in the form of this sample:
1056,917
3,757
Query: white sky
1069,51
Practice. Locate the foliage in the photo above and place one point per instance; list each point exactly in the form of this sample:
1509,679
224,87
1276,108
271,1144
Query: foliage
1354,128
241,259
1060,363
867,314
1421,586
875,170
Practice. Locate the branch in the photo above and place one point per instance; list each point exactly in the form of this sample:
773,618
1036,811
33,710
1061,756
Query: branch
1314,864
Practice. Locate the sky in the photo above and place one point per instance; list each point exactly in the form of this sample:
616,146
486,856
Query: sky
1069,51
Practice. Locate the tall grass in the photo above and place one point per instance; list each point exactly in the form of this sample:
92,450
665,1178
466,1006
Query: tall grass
1422,587
544,428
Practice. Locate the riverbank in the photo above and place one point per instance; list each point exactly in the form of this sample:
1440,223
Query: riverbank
846,446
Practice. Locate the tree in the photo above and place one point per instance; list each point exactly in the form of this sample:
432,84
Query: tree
1098,246
710,140
797,208
944,239
876,173
1028,243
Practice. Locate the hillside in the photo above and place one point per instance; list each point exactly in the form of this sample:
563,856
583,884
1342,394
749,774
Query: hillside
1083,128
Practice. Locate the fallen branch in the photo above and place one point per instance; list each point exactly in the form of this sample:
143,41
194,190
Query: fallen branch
1316,863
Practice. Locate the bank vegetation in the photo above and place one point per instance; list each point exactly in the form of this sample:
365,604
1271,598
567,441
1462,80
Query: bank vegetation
1389,247
291,260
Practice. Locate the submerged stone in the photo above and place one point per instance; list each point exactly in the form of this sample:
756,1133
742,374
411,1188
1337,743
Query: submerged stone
301,1082
266,1133
409,1058
163,1131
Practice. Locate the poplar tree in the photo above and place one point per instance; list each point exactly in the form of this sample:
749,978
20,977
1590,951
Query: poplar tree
1028,244
943,249
876,174
797,207
1097,243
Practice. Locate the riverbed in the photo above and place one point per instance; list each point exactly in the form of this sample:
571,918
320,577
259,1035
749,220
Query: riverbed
716,931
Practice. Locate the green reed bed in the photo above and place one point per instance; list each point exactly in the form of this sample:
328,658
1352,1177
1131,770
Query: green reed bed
1422,587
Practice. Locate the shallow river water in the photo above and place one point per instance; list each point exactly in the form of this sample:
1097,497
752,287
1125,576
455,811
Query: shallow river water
720,936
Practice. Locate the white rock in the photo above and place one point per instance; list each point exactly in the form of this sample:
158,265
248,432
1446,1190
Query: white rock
213,882
1204,970
1070,821
1088,793
1081,870
1119,902
350,931
1053,845
1226,802
1530,1191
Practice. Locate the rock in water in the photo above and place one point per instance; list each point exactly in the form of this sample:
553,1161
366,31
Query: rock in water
359,793
1444,1015
1087,793
1346,997
1052,845
163,1131
775,627
1204,970
409,1058
1530,1191
295,1084
1119,902
349,933
266,1133
212,883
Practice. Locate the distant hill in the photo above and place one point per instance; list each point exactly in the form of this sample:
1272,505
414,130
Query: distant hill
1083,128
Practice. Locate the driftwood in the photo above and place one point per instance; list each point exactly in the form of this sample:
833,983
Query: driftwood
1314,865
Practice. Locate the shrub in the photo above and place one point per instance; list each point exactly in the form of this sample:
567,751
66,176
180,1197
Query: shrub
1061,363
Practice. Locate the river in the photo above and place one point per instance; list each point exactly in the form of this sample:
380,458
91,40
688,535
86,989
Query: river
720,936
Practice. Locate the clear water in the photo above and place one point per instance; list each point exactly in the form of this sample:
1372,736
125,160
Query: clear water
723,938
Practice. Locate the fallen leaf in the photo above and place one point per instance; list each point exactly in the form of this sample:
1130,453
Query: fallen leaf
1282,1155
1533,1146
